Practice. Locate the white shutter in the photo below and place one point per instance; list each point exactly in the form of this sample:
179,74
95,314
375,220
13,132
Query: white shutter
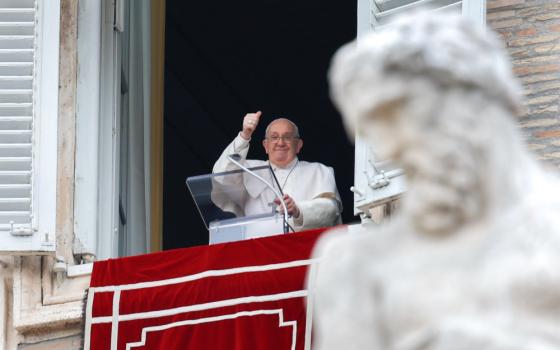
19,143
17,37
384,11
377,181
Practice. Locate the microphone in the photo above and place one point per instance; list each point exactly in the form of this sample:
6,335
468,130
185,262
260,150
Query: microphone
235,158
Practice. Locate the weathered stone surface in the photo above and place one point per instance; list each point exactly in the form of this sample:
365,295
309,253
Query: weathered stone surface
535,78
539,123
537,88
524,70
545,17
68,343
551,110
543,99
530,11
493,4
545,38
535,146
549,133
500,15
547,48
534,46
508,23
536,59
519,52
526,32
552,155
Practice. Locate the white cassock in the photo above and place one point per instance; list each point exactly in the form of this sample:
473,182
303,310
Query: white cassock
311,185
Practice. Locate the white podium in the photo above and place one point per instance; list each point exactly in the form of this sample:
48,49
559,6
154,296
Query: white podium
219,198
238,229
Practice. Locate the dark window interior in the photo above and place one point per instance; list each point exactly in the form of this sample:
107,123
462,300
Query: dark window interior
226,58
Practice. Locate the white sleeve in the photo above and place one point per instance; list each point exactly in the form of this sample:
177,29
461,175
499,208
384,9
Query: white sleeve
317,212
240,146
232,201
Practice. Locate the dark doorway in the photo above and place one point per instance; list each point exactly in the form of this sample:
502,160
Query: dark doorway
226,58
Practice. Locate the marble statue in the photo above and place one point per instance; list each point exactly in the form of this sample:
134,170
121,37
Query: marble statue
472,260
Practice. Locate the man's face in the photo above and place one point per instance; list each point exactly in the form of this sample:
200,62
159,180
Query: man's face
280,143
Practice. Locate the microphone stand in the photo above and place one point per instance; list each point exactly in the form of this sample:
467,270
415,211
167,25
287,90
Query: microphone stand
276,193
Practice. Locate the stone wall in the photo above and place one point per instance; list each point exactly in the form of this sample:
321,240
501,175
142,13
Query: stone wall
66,343
531,31
41,309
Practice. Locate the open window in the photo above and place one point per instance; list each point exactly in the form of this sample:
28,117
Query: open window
114,143
379,181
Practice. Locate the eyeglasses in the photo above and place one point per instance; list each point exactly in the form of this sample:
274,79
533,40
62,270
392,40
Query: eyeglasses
286,138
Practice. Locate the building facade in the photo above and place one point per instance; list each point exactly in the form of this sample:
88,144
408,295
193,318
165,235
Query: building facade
80,174
531,32
107,118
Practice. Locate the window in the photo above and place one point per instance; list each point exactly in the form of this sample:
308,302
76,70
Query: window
112,175
29,43
378,181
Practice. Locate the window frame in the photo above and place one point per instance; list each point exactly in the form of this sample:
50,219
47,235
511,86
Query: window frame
100,147
97,131
366,196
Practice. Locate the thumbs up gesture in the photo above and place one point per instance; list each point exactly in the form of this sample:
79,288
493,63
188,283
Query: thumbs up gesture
250,122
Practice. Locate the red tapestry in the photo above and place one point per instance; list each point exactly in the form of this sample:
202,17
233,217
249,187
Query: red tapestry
241,295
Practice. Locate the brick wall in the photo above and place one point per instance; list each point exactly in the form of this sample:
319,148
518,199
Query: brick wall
531,31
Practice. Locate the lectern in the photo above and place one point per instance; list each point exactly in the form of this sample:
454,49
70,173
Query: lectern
221,197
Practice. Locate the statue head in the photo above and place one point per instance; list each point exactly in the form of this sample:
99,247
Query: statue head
436,94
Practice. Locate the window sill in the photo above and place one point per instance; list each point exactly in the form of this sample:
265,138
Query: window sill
79,270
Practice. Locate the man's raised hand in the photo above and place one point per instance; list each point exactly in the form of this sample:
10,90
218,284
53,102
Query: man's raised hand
250,122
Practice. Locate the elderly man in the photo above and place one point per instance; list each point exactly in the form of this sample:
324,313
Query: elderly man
309,189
